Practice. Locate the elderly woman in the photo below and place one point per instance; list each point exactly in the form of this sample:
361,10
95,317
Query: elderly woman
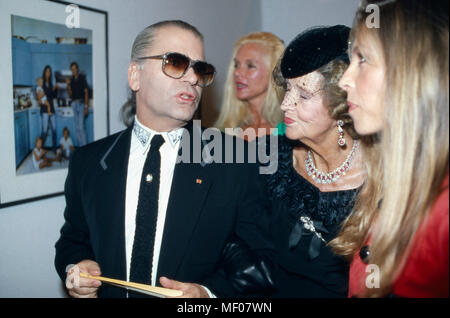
397,86
319,166
251,100
319,170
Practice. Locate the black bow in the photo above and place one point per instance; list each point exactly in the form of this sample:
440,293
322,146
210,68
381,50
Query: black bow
316,243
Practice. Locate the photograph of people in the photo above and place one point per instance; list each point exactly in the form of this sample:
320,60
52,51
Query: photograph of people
52,89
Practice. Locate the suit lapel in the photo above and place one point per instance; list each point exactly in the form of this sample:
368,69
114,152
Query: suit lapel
190,186
114,179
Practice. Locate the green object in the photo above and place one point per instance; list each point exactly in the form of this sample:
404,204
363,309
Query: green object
281,126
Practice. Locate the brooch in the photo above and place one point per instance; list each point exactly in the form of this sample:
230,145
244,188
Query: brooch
311,226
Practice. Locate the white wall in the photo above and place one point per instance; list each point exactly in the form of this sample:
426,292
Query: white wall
287,18
28,234
28,231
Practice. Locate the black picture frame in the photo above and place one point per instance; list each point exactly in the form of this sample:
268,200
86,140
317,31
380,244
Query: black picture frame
19,189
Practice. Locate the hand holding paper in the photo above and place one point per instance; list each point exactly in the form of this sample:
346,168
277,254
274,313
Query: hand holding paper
80,287
142,288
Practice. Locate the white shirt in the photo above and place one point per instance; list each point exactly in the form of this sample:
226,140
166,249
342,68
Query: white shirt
36,163
40,90
67,144
140,145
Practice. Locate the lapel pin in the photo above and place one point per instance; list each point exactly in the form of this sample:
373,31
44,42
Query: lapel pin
199,181
149,178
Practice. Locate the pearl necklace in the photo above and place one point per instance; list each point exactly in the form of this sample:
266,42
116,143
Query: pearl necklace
323,177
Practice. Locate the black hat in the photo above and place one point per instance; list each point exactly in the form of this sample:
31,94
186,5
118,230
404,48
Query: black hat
313,49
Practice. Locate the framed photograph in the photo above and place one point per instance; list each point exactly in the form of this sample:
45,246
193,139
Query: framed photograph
53,91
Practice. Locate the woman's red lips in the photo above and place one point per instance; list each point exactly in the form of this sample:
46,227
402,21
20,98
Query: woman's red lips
351,106
288,121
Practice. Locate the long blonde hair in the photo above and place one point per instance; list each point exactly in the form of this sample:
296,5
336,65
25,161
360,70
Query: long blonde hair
235,113
409,161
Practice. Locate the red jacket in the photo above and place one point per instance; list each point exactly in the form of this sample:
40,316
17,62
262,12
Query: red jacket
426,271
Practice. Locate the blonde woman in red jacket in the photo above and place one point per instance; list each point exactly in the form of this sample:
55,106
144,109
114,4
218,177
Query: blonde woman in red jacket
397,86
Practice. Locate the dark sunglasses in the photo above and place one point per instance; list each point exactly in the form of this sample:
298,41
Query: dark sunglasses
176,65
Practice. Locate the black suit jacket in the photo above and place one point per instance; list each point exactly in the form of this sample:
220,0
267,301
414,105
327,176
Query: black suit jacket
200,217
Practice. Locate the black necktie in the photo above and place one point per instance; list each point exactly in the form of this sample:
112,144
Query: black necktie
146,216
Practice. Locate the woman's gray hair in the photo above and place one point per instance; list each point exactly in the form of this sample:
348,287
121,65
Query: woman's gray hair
143,41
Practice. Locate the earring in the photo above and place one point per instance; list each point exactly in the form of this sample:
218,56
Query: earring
341,140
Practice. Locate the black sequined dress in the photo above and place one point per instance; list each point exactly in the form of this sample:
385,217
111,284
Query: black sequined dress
304,219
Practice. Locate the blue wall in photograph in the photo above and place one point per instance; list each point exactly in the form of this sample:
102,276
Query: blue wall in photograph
21,62
29,60
59,57
21,135
34,126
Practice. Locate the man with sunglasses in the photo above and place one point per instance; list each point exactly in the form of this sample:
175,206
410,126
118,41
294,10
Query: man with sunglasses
168,225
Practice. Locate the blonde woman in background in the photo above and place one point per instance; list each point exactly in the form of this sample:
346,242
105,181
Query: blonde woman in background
397,85
251,99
